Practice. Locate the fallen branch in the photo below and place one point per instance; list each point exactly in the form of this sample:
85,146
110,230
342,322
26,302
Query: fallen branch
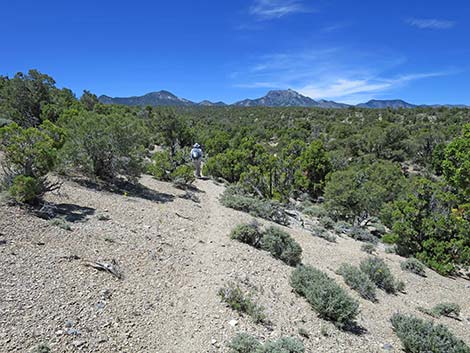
184,217
111,268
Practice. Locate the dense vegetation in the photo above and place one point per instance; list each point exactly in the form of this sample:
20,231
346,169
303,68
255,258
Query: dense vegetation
408,167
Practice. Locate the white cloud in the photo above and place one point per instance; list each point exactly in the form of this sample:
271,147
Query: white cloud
334,27
273,9
350,91
341,74
430,23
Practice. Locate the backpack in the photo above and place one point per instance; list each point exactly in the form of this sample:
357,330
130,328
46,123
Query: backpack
196,154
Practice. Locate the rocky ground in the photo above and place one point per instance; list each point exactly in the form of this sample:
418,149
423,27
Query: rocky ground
173,251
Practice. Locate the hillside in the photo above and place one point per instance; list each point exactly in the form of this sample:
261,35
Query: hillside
161,98
381,104
175,254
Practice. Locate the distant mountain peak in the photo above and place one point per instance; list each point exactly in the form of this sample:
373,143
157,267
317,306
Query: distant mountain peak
389,103
273,98
207,103
288,98
160,98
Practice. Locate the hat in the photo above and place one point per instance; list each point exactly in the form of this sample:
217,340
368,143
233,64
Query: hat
196,145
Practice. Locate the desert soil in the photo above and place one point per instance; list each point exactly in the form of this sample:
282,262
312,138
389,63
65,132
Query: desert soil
175,254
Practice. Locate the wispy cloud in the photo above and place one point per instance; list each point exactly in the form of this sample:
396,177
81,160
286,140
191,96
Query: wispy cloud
353,91
430,23
333,73
334,27
273,9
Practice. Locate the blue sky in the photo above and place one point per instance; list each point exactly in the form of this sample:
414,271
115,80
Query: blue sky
343,50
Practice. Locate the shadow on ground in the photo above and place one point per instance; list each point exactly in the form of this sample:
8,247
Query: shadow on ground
355,329
69,212
74,213
129,189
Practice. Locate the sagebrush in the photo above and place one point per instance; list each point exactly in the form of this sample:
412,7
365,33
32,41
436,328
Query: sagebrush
359,281
281,245
242,302
263,208
325,296
379,273
413,265
245,343
419,336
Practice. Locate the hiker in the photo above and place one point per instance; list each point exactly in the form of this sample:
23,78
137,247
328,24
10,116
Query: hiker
196,157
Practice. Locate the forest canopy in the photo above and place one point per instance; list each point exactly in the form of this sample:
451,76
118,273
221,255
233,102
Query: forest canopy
410,168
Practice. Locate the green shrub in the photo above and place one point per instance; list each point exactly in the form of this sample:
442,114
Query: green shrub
4,122
161,166
324,234
267,209
358,281
318,231
104,146
61,223
379,273
389,238
358,192
244,343
175,168
368,248
183,175
327,222
312,210
25,189
29,155
446,309
328,237
283,345
376,228
326,297
451,310
248,234
431,225
400,286
419,336
282,246
414,266
303,276
361,234
31,152
303,332
42,348
342,227
241,302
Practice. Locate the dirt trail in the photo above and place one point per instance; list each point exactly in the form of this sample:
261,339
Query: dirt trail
175,254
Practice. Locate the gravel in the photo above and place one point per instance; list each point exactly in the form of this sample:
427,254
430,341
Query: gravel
175,253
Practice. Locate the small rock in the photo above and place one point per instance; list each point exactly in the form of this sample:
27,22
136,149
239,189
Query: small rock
78,343
105,294
69,323
387,347
233,323
73,331
102,339
214,341
100,305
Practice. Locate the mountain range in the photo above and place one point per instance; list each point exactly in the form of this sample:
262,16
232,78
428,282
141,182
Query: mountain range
275,98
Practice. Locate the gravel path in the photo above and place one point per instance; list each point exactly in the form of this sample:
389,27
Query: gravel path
175,254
